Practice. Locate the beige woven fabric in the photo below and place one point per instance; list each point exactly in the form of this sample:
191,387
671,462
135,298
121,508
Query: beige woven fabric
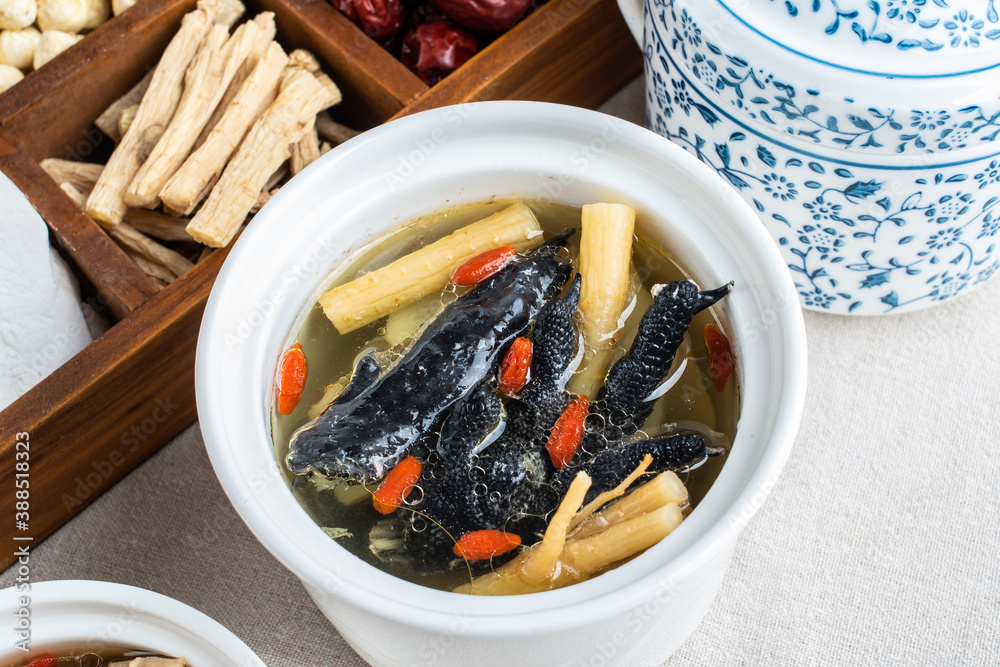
880,544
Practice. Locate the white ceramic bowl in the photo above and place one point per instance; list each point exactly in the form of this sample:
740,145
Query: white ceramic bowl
867,143
95,615
410,167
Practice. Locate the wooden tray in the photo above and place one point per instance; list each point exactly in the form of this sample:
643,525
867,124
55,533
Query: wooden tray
132,390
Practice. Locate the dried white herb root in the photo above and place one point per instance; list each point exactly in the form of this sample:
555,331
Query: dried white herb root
191,183
106,203
109,121
206,82
221,122
265,147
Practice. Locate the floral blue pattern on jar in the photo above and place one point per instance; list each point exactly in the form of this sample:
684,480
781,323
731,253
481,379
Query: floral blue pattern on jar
938,25
858,237
732,79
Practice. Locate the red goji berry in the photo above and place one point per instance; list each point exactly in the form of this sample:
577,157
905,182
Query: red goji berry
291,379
720,357
515,366
568,432
483,544
397,484
483,265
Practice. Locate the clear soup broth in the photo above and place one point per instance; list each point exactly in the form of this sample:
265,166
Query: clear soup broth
692,402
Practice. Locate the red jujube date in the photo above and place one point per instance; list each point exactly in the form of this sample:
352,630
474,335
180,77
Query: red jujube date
434,49
380,19
486,15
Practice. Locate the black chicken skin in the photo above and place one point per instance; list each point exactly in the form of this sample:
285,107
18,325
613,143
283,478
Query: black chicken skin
364,437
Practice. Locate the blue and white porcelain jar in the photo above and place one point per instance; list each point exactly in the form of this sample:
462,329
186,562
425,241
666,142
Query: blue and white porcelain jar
863,133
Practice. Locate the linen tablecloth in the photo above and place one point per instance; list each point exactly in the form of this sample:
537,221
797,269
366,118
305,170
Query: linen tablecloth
880,544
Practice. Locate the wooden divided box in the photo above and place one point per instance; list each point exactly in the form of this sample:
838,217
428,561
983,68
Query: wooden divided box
132,390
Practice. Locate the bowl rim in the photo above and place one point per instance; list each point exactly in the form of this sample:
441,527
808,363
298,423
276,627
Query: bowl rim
108,600
526,614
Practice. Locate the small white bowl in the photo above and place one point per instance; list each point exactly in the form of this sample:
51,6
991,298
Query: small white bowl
95,615
639,612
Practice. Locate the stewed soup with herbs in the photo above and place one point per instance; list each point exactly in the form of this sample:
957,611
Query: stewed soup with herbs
506,397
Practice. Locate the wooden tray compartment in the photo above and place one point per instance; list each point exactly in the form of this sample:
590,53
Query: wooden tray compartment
131,391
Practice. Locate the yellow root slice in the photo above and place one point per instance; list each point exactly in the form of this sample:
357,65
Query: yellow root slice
605,257
664,489
407,322
427,270
541,561
332,392
620,541
352,494
536,569
608,496
616,534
